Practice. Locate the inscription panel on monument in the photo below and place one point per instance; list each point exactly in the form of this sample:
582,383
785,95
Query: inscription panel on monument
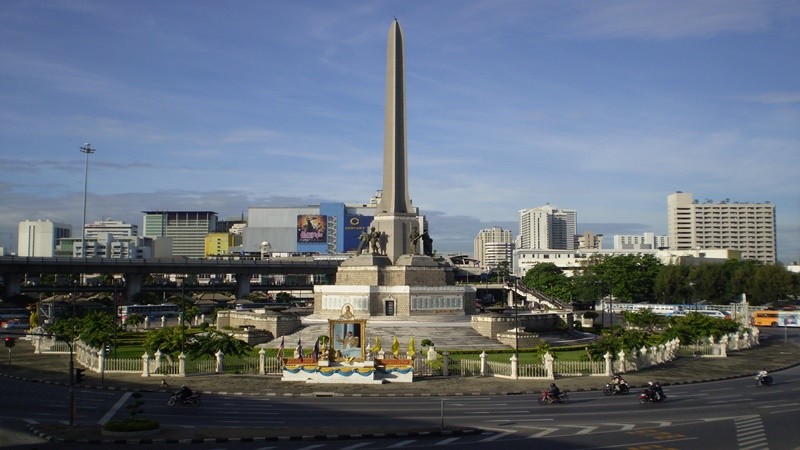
337,302
437,302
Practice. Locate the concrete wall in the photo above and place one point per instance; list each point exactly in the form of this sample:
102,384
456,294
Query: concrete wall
275,324
490,326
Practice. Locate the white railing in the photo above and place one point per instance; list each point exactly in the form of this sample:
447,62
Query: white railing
469,367
495,368
578,368
123,365
532,371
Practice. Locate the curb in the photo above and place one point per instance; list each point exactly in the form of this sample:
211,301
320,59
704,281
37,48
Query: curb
433,432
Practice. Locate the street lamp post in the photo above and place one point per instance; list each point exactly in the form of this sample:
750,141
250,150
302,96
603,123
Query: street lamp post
88,150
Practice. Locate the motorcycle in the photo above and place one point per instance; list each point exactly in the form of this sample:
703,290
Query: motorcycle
547,398
611,390
192,400
651,395
765,380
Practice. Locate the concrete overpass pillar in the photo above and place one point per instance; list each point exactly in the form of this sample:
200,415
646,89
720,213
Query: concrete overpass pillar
12,283
242,284
133,284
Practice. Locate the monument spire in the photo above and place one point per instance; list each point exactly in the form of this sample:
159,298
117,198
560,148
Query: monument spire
395,199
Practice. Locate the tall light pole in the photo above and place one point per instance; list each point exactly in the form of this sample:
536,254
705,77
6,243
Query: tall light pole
88,150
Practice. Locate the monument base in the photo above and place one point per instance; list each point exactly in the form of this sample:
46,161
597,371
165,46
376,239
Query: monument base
367,372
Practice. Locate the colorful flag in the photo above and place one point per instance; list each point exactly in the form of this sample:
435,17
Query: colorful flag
377,347
299,349
411,350
395,347
315,352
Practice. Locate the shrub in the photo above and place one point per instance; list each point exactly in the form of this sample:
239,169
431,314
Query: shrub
131,425
426,343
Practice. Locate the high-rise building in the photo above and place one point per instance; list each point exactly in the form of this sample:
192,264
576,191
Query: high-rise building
40,237
546,227
115,228
590,241
186,229
747,227
646,241
493,246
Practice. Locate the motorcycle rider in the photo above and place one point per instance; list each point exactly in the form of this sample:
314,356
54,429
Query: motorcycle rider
655,392
555,392
617,382
184,393
763,377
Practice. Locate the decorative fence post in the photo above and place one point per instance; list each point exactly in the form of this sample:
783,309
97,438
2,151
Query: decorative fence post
163,321
220,358
445,364
262,361
157,361
101,362
514,367
39,344
146,325
484,365
181,365
609,360
548,366
431,353
145,365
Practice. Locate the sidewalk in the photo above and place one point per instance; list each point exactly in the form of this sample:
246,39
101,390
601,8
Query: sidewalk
26,365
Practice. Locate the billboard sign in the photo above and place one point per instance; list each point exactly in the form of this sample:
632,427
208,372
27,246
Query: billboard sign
311,228
354,226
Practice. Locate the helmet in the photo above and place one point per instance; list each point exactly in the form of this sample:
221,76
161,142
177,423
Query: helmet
650,383
183,385
552,385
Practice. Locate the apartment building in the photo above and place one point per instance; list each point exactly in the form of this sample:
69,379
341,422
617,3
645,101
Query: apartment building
746,227
40,237
546,227
493,246
646,241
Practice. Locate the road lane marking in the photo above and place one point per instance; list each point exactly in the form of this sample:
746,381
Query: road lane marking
115,408
401,444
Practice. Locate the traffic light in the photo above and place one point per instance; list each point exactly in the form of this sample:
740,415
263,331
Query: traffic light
79,376
10,342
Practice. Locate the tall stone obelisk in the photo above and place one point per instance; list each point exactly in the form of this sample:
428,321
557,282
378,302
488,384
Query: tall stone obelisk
395,215
403,282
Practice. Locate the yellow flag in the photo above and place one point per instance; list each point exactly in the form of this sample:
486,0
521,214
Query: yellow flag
395,347
411,351
377,347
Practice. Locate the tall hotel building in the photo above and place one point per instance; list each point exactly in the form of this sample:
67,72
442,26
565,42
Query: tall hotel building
186,229
747,227
493,246
548,228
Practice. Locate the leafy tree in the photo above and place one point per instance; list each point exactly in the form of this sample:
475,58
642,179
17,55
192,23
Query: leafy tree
548,278
208,344
503,271
66,329
645,320
695,326
98,329
134,320
168,340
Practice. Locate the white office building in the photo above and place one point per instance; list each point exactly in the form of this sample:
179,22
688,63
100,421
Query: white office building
546,227
746,227
40,237
493,246
646,241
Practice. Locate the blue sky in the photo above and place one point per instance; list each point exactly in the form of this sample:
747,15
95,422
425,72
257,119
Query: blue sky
602,107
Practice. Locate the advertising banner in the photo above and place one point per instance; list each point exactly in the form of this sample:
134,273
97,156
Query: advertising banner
354,226
311,228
